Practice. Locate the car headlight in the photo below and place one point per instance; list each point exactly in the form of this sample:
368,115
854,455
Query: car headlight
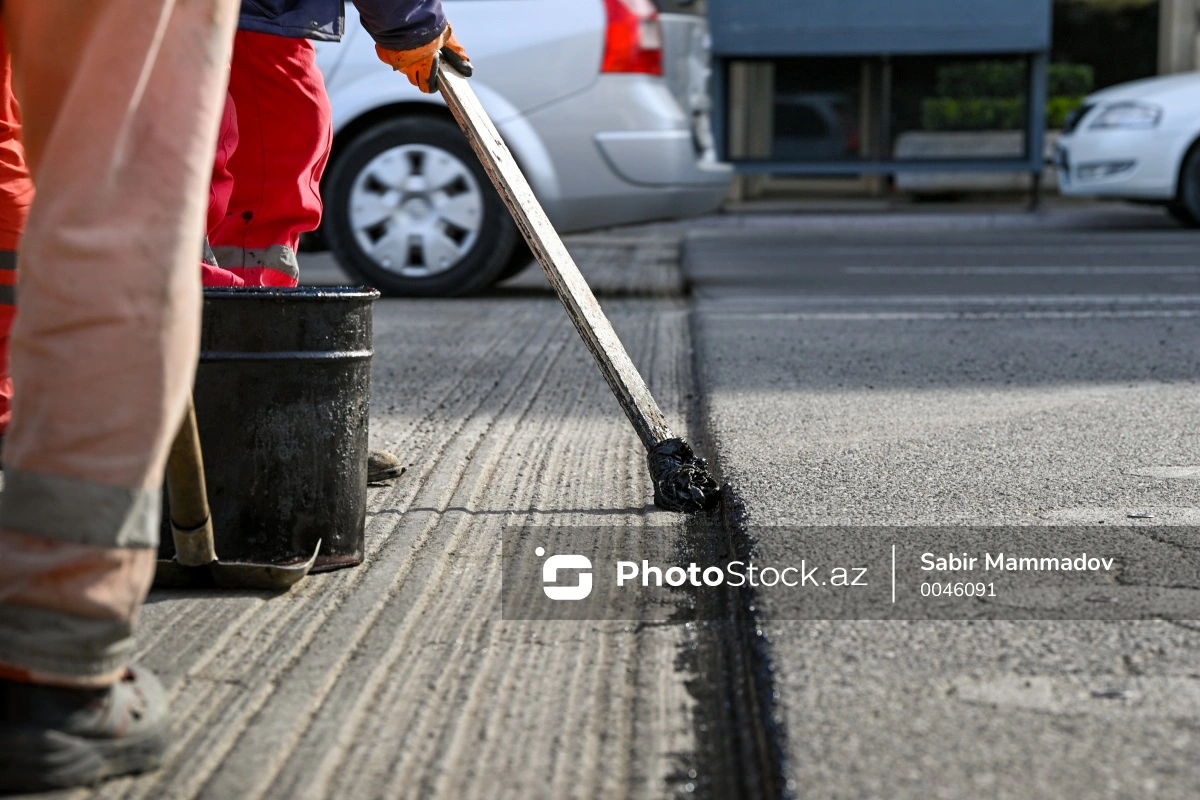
1135,116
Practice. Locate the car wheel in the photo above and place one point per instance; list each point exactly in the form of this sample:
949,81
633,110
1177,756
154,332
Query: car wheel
521,258
410,211
313,242
1186,207
1182,215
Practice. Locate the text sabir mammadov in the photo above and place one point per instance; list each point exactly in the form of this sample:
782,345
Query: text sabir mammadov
1008,563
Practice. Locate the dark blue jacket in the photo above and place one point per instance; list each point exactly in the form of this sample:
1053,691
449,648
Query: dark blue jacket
394,24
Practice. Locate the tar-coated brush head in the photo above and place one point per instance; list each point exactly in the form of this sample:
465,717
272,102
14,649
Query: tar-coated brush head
681,480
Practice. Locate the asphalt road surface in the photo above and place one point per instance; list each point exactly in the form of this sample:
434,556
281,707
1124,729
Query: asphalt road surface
1000,374
898,369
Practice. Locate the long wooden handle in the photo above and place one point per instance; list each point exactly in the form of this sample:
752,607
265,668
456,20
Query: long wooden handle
191,522
550,252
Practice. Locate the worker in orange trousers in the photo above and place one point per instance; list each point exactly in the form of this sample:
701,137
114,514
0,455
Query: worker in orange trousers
119,141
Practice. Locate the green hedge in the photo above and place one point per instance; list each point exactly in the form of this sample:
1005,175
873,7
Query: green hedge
1057,109
989,113
981,79
1007,79
989,95
1071,80
972,114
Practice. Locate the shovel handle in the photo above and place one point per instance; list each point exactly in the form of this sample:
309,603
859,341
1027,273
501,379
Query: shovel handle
620,373
191,522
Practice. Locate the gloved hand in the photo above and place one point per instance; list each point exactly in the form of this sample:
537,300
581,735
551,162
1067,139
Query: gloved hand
420,63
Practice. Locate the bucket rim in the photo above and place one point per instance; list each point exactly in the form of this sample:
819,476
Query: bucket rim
290,293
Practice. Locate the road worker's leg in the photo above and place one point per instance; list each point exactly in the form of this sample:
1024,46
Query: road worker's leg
16,193
284,135
120,103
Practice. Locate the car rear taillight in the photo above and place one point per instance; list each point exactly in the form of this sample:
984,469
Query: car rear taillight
634,39
849,130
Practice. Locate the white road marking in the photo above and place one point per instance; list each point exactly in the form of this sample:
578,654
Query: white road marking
1108,300
812,249
1180,473
962,315
1023,270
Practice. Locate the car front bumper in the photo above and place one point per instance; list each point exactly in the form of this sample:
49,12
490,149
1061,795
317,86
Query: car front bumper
1134,164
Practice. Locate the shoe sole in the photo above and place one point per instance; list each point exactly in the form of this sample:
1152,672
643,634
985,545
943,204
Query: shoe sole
38,760
386,475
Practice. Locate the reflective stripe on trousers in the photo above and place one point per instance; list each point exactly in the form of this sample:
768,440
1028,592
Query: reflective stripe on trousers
8,312
269,266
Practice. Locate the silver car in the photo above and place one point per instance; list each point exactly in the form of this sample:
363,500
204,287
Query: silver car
603,103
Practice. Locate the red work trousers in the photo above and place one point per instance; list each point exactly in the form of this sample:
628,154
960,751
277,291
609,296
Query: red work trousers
273,147
16,194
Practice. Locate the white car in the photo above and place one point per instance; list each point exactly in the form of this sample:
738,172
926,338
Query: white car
576,88
1137,141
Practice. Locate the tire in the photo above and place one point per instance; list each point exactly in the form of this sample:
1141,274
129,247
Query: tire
1182,215
518,262
410,211
313,242
1186,207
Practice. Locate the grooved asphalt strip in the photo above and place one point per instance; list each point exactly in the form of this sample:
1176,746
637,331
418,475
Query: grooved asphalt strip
398,678
473,433
252,638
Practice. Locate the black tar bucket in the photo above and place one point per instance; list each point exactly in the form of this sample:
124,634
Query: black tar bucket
282,395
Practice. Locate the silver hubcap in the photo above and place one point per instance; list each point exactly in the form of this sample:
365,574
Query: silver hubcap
416,210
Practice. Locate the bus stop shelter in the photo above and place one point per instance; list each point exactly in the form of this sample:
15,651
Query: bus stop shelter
832,87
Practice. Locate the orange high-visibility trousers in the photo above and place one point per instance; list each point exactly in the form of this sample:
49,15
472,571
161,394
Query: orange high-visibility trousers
120,102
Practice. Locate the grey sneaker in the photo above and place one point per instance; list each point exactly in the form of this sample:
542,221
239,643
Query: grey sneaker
382,466
53,737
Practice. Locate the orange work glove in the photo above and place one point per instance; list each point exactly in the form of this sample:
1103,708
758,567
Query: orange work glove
420,64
